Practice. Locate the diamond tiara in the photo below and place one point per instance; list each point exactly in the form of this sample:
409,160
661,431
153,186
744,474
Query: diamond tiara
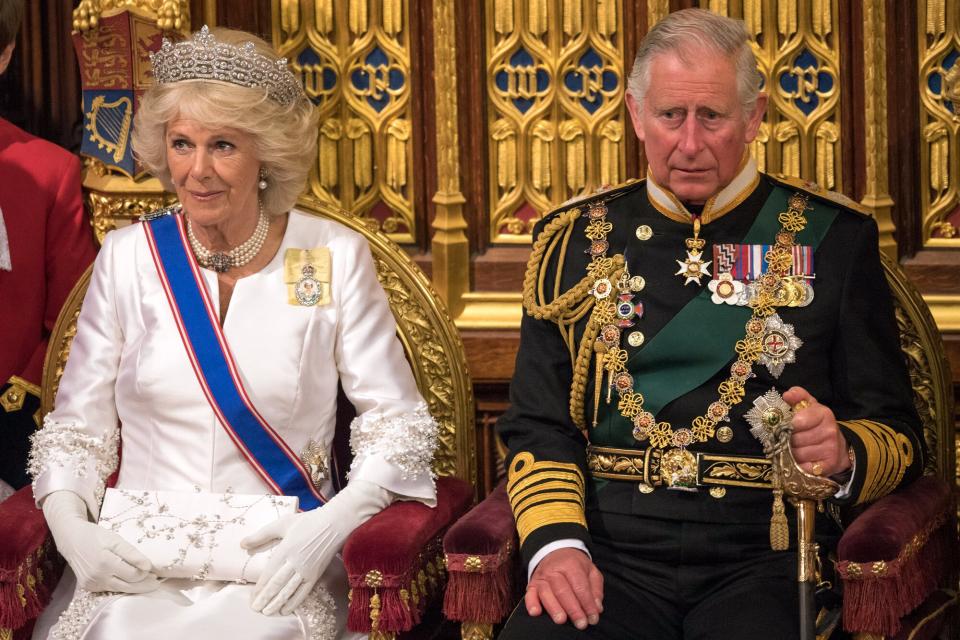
203,58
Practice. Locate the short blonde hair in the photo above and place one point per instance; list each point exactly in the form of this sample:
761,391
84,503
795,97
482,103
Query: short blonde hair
285,137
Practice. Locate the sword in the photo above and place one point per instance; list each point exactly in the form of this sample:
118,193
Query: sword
771,421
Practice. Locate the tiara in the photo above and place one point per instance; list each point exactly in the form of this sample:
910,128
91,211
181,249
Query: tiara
203,58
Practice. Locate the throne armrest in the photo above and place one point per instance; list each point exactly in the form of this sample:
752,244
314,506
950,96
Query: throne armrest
481,562
29,563
896,554
394,560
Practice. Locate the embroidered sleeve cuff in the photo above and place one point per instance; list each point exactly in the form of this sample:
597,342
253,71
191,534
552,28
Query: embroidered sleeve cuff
883,455
543,494
396,453
64,457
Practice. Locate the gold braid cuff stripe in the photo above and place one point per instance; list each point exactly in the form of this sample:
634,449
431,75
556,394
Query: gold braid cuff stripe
888,455
544,493
643,465
612,358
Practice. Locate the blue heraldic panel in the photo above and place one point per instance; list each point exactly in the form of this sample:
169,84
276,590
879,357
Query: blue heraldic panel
108,123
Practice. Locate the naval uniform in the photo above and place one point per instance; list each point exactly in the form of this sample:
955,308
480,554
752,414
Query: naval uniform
685,550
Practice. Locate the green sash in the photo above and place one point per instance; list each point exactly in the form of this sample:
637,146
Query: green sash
704,332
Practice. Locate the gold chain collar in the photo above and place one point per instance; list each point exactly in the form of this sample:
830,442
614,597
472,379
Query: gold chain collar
611,358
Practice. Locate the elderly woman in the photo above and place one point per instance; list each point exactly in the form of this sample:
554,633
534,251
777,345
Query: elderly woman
208,352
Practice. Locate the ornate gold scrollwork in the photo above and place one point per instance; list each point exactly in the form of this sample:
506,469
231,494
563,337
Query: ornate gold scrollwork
923,349
116,201
170,14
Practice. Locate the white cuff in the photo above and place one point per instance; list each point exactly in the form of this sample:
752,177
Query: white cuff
563,543
844,491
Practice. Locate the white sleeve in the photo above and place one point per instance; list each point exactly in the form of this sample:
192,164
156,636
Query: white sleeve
563,543
393,437
77,447
844,491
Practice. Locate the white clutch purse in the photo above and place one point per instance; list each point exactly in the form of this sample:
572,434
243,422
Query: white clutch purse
192,534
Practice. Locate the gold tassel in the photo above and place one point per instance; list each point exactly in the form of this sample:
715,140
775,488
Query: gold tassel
779,531
601,350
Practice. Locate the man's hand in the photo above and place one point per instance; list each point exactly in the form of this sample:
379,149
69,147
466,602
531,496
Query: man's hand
569,586
817,443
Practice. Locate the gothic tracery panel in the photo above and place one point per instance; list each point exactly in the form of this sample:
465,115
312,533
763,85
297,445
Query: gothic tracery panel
939,85
555,82
797,48
354,60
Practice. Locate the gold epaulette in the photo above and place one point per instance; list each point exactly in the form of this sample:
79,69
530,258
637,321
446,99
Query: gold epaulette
557,228
815,190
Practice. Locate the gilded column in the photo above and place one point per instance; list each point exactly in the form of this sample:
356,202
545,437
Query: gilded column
210,13
449,245
876,195
656,11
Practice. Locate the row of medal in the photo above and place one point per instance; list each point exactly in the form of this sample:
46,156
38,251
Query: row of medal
779,340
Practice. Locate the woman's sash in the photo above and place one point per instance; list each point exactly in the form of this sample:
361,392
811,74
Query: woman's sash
215,368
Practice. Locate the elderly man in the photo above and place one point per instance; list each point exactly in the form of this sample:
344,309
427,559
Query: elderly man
667,321
45,244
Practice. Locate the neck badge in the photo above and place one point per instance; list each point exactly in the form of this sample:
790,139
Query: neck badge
694,266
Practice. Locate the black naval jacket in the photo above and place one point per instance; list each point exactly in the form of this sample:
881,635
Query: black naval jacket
849,361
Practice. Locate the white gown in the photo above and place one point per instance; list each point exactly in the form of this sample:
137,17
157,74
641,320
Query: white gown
128,367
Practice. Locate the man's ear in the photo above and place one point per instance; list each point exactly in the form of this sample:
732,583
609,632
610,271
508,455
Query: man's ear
5,56
634,109
756,117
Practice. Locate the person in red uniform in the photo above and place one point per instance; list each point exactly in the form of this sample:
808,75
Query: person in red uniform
45,246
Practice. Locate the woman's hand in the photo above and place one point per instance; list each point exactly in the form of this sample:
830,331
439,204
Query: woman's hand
308,541
101,559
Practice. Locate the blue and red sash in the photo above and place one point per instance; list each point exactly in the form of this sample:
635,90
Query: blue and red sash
216,370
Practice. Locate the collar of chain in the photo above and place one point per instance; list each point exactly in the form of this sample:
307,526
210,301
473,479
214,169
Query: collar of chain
612,358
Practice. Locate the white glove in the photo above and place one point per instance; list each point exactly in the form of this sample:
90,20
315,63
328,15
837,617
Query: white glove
309,541
101,559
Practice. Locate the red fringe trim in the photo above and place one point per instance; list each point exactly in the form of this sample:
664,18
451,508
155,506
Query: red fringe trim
480,588
395,603
23,596
877,595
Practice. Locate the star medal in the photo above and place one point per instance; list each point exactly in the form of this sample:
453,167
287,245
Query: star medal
768,418
694,266
308,289
779,345
725,290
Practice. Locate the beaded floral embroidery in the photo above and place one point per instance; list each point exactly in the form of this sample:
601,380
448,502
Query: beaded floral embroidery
407,441
66,446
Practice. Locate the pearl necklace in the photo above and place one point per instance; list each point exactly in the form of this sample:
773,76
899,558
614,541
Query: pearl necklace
221,261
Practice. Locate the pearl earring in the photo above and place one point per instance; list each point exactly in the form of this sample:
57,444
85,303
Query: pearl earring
263,180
